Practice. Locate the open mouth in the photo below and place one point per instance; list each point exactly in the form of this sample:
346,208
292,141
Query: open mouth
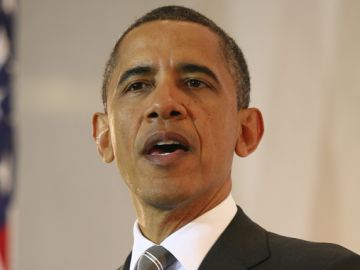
167,147
166,143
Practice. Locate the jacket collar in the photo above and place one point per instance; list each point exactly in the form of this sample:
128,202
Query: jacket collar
242,245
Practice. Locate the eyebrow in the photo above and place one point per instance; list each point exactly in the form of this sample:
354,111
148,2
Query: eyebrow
138,70
194,68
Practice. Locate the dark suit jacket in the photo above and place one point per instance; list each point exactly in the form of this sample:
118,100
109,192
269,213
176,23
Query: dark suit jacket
245,245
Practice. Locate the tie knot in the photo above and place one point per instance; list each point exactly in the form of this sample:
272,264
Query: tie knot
155,258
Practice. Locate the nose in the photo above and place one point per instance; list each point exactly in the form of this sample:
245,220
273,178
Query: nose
166,104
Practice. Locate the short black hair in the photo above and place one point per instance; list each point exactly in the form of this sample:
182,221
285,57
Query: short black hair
232,52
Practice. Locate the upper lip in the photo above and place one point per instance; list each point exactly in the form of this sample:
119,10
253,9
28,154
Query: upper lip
163,136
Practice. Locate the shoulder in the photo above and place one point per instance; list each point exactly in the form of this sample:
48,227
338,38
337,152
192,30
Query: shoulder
246,243
302,254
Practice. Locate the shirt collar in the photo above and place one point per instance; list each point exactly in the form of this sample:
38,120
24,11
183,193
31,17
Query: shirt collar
190,243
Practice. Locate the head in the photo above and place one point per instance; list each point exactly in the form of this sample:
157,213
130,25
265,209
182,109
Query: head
176,93
230,50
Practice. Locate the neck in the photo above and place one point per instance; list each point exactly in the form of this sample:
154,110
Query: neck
157,223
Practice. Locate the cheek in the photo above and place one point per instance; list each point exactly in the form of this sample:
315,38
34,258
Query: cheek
123,131
218,134
217,125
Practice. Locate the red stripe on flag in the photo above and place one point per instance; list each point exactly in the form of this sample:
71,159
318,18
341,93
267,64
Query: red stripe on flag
4,247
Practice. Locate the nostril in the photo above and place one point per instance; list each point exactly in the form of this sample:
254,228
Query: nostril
164,114
153,115
174,113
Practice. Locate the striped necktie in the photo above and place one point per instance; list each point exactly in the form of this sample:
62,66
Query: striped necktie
155,258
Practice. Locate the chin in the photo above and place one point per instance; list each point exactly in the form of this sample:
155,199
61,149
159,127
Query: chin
165,201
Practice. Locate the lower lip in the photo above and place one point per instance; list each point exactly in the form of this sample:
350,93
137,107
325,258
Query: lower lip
166,159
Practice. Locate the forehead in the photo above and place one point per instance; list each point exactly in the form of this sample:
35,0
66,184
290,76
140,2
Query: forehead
167,42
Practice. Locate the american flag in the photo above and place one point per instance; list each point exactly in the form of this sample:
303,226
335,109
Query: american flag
7,8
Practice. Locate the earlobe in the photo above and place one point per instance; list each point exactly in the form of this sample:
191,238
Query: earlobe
250,132
101,135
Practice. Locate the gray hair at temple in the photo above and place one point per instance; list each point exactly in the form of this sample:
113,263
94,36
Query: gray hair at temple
232,53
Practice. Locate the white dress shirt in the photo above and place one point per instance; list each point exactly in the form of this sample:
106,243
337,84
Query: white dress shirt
192,242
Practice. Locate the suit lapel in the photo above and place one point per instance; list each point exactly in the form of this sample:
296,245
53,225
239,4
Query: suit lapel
242,245
126,265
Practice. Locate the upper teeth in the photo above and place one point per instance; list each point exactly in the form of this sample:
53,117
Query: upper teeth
167,142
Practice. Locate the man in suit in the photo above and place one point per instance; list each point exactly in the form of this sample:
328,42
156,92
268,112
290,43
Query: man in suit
176,97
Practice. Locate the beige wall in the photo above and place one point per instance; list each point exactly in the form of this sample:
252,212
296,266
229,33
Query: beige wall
73,211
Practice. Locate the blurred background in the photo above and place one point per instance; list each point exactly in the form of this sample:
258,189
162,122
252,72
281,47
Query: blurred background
72,211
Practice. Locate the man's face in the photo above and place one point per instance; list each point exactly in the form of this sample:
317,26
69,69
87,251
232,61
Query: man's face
172,114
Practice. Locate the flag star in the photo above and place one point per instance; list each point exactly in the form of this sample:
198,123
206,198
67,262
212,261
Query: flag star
4,47
5,174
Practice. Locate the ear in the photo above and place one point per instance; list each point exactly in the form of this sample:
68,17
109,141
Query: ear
101,135
250,132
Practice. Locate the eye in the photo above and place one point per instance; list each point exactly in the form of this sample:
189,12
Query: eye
138,86
195,83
